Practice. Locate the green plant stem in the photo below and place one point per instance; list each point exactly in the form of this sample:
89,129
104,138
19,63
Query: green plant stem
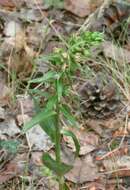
58,135
61,183
57,145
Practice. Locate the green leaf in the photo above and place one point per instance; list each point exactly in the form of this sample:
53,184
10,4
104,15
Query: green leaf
10,145
66,187
49,126
67,114
59,168
51,102
38,93
76,142
47,76
59,86
37,119
55,3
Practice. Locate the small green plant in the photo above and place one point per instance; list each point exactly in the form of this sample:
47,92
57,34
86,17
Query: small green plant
10,145
59,81
54,3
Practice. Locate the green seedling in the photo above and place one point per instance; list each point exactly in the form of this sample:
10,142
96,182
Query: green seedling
59,79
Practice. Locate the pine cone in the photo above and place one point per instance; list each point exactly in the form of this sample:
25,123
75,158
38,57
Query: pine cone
98,100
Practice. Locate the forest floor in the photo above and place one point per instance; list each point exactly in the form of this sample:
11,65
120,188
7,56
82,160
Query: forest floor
33,29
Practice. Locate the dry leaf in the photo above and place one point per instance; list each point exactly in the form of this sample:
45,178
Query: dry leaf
9,173
16,42
120,166
17,55
9,127
25,105
116,53
7,3
88,141
96,186
36,158
5,95
12,28
95,125
84,170
2,114
14,168
22,118
82,8
30,15
38,139
34,3
114,123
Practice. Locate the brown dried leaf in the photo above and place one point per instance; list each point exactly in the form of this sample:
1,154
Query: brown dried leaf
114,123
95,125
2,114
7,3
12,28
120,166
9,127
11,4
84,170
83,8
116,53
38,139
16,42
88,141
34,4
111,124
13,168
96,186
21,119
8,173
16,54
25,105
36,158
5,95
30,15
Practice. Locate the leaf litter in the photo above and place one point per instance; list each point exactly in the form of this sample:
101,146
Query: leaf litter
25,34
